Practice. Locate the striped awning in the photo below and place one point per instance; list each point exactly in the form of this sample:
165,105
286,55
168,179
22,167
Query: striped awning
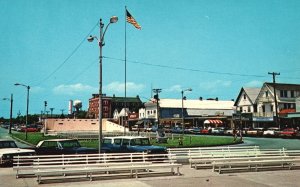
213,121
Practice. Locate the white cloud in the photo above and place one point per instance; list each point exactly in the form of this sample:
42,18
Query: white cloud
117,87
73,89
175,88
254,83
37,89
214,85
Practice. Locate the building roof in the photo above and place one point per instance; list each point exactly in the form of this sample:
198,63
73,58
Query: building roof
252,94
196,104
119,99
283,86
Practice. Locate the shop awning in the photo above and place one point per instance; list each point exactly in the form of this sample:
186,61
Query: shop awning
213,121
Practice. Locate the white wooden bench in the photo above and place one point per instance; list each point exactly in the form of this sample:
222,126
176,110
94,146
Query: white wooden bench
183,155
118,169
205,160
24,165
45,167
252,163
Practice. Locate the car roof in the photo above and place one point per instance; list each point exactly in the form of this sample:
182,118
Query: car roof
5,140
124,137
56,140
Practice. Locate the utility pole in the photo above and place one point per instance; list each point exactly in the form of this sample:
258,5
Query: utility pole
275,97
156,96
51,109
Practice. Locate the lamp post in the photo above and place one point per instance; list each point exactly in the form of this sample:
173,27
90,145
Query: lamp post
27,105
182,113
11,107
113,19
156,97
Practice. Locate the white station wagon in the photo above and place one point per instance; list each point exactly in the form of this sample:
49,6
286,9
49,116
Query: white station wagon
9,149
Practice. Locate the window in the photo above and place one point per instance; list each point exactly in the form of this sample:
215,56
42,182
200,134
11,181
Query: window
125,142
107,141
255,108
263,108
117,141
271,107
245,96
292,93
105,108
283,93
241,109
293,105
267,94
249,109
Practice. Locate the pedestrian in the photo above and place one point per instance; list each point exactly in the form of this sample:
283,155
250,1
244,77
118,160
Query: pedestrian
234,133
241,135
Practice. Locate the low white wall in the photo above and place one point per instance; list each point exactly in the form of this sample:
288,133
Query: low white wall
65,125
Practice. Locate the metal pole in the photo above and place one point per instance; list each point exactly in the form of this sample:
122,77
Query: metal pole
28,88
11,107
182,115
100,85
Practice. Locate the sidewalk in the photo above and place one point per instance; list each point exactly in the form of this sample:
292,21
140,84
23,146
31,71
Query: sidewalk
190,177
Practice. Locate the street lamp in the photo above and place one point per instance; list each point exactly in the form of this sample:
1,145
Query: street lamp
182,114
28,88
113,19
11,107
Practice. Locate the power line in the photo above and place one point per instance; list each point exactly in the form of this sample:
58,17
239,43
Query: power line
187,69
67,59
194,70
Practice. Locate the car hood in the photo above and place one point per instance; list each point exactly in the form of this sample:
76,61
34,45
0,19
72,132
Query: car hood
84,150
149,147
15,151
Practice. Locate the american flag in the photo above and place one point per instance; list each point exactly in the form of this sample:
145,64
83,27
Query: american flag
131,20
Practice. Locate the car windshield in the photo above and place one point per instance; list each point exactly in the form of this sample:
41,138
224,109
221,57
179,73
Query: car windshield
140,141
69,144
8,144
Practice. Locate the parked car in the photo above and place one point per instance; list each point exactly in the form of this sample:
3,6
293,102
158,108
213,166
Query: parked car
255,132
228,131
130,144
196,130
217,130
62,146
176,130
271,131
205,131
288,132
9,149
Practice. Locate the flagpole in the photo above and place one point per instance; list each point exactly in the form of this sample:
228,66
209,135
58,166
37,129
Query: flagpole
125,68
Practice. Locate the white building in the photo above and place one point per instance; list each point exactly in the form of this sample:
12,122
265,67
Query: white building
257,108
195,112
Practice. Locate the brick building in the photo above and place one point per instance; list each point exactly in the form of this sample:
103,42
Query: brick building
112,103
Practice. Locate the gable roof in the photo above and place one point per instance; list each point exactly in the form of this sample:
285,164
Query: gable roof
283,86
252,94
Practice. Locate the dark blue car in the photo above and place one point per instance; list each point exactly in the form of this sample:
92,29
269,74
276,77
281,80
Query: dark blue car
130,144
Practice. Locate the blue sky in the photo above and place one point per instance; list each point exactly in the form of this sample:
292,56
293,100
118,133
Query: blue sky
214,47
